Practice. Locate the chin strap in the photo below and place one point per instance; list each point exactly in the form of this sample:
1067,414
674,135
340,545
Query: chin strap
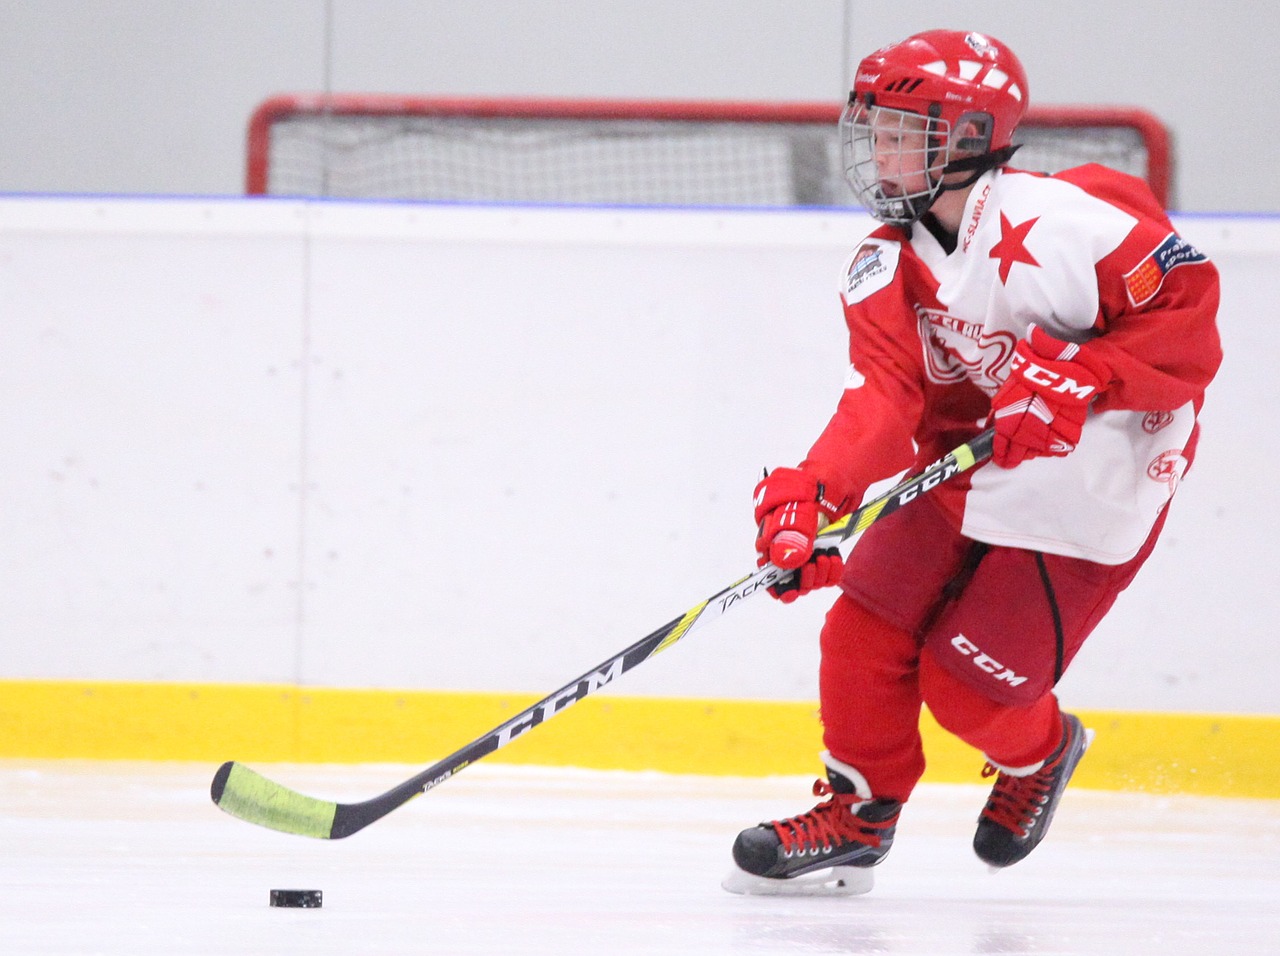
977,165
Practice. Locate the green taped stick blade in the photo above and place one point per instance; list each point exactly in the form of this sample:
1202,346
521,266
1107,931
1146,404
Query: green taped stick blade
253,798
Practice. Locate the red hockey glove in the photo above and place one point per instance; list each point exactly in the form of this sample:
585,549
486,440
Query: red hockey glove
1040,408
823,569
791,509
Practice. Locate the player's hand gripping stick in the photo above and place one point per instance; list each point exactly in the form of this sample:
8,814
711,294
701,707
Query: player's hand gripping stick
1040,409
791,509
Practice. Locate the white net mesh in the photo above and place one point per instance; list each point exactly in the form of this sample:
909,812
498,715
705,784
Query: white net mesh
1050,149
621,160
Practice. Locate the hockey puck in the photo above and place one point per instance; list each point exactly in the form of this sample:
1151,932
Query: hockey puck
304,899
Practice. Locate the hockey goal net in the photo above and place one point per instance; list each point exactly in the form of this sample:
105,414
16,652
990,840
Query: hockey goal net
623,152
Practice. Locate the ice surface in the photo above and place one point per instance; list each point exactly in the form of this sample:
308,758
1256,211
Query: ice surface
124,858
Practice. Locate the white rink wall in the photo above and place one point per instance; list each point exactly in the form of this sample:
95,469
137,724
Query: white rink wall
484,448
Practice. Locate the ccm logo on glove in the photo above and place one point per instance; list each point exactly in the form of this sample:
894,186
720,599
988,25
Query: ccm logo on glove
1041,407
1047,378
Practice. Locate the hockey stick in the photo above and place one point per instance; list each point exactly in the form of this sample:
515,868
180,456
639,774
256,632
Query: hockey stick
250,796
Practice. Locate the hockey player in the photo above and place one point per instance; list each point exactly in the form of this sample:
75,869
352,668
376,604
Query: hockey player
1066,312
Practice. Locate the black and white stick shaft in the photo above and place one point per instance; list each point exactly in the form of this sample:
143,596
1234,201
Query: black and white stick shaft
250,796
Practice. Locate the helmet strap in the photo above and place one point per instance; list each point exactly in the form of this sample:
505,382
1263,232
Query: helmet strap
977,165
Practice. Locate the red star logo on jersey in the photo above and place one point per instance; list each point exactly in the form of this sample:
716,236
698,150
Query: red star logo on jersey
1012,246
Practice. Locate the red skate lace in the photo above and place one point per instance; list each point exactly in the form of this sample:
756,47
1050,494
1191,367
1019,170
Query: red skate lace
1016,802
832,822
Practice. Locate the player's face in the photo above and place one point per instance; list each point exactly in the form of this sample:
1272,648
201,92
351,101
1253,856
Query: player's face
893,159
902,152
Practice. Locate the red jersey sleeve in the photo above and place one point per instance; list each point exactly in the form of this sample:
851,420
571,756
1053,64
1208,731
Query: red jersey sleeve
870,436
1158,303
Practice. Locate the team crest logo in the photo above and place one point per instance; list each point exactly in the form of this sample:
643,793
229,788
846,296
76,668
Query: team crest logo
956,350
1168,468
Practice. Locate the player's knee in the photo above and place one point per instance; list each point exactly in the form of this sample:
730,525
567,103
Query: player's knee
852,632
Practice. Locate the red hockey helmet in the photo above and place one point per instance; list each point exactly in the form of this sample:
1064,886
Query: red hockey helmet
967,84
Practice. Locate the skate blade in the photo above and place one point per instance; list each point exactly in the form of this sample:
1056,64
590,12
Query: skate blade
833,881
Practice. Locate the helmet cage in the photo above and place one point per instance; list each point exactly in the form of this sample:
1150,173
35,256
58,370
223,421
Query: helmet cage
894,159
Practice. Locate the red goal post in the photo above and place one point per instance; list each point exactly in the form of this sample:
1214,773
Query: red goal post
621,151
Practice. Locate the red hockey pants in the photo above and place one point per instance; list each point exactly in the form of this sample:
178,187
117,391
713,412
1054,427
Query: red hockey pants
980,634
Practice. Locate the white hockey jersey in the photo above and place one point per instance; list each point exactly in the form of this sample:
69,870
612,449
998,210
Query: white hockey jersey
1090,257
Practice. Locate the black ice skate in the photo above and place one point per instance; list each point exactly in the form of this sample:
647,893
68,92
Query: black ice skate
827,851
1020,808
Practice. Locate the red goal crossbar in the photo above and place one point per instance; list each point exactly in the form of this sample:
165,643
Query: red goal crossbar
1122,136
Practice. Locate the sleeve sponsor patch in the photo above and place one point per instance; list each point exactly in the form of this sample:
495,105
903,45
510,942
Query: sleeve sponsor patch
871,268
1144,280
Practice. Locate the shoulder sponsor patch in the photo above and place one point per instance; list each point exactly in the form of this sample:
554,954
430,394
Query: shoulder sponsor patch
871,268
1145,279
